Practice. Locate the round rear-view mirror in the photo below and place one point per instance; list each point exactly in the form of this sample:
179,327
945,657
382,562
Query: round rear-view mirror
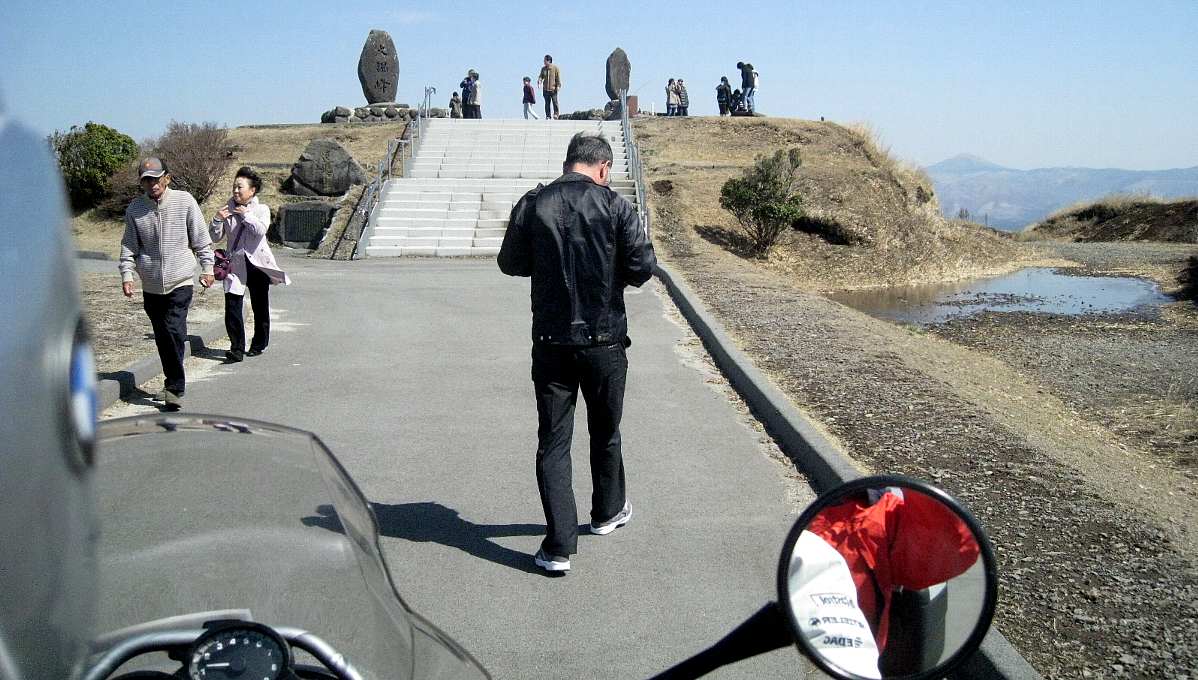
887,577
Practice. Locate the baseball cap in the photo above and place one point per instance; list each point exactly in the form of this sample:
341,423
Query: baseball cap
151,167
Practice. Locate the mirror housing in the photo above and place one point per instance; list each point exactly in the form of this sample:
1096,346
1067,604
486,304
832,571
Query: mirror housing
887,577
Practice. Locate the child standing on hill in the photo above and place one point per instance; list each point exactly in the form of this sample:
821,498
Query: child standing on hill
723,96
530,98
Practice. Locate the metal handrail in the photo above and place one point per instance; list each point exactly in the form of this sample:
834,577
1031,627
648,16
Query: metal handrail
374,191
634,161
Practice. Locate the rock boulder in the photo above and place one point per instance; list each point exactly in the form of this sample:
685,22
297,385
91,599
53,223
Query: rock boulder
325,168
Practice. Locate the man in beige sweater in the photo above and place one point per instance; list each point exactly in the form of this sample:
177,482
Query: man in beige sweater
165,233
550,81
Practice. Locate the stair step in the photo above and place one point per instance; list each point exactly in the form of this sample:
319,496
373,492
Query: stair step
459,189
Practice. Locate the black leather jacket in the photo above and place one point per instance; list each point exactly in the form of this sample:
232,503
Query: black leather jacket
581,243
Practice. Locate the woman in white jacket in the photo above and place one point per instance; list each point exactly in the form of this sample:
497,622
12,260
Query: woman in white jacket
244,221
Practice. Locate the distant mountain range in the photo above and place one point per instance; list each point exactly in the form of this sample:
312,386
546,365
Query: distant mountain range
1011,199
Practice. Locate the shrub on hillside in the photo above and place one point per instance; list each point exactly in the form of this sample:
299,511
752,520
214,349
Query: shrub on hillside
197,155
87,157
763,199
123,187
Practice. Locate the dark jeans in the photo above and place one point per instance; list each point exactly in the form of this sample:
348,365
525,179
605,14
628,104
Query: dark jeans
259,287
474,111
168,317
550,98
558,371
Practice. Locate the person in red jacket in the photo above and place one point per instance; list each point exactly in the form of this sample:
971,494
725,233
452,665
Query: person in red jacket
896,538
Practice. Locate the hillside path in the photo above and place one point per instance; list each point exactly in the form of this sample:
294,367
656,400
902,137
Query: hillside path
416,374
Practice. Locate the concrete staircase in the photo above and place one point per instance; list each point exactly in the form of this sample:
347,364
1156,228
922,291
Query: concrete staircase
465,177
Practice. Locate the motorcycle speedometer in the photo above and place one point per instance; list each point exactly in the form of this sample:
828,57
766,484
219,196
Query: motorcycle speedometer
241,650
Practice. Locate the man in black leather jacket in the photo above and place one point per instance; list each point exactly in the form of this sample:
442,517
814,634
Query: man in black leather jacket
581,243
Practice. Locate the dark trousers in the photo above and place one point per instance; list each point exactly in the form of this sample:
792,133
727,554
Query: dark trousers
472,111
550,98
558,371
168,317
258,284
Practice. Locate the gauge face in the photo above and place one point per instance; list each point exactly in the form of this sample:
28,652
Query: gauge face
244,652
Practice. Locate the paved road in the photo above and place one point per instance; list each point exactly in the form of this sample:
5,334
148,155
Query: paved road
416,373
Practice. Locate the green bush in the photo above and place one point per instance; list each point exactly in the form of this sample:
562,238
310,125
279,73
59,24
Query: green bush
87,157
763,199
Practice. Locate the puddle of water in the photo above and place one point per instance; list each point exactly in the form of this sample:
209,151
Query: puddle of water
1034,289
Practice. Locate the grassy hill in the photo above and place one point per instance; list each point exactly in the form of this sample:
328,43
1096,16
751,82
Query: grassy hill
1122,218
871,220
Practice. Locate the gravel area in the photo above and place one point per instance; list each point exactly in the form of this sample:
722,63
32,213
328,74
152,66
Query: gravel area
119,328
1020,417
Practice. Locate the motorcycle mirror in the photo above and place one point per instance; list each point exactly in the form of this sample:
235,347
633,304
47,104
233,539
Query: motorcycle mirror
887,577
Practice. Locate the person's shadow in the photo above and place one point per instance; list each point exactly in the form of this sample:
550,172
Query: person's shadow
430,522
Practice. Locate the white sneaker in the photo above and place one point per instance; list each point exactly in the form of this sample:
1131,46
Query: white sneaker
551,562
614,523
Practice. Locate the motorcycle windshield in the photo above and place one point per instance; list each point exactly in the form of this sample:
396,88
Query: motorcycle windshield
209,513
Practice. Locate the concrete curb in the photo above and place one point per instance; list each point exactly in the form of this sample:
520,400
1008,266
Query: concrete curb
814,453
114,386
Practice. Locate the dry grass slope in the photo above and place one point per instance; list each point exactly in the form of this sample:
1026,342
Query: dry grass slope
1123,218
884,221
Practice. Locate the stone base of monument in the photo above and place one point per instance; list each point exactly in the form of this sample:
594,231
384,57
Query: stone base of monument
585,114
612,109
303,225
383,112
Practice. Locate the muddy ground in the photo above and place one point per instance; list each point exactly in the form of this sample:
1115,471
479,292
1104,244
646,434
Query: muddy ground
1071,438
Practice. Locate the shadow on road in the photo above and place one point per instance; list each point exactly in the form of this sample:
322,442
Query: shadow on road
430,522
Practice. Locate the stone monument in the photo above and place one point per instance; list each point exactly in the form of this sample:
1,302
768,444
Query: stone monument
619,72
378,72
325,168
378,68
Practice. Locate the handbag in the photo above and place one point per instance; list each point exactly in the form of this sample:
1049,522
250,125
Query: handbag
223,261
222,264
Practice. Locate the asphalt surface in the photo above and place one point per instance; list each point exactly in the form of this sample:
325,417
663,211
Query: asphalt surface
416,374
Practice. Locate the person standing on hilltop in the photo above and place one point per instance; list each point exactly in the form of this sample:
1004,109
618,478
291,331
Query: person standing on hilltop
530,98
684,100
756,88
747,86
550,82
471,96
723,96
582,243
165,233
671,98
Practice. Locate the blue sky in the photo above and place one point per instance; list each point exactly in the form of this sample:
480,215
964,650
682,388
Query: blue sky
1023,84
